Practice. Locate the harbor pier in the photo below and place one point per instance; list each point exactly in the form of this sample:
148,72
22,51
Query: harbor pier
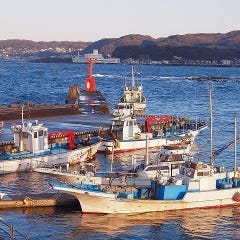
38,200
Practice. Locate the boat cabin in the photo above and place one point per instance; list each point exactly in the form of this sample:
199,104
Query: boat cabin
133,94
30,136
196,170
125,128
198,176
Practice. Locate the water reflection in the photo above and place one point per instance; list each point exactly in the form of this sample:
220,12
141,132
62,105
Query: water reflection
198,224
69,223
22,183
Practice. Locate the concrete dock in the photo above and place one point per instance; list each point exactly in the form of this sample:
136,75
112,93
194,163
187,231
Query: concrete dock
38,200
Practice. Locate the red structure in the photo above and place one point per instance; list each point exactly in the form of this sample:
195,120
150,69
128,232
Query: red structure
159,119
90,84
58,135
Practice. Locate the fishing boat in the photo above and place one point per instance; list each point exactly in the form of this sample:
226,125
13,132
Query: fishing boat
126,134
165,163
132,100
33,146
198,185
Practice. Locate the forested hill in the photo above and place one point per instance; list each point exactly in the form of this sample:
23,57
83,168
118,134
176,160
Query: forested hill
189,46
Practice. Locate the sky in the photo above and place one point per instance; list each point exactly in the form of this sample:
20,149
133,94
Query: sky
92,20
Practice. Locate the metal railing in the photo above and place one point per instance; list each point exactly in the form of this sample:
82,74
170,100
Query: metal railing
8,231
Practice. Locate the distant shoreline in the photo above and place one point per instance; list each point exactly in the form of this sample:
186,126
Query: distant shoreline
69,60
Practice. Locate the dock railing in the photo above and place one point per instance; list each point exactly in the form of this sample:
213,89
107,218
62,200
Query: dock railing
7,231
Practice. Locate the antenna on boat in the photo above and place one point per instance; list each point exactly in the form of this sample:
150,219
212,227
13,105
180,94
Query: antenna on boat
211,125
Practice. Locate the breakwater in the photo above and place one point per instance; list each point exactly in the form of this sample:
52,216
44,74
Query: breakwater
14,111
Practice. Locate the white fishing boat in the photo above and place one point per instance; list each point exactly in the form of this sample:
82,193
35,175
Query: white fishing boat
127,135
165,163
31,148
132,101
197,186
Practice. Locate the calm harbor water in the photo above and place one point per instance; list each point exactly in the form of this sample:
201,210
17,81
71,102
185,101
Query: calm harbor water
181,91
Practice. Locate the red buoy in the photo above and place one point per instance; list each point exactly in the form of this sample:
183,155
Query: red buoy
90,84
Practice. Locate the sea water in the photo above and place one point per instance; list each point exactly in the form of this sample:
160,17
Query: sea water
173,90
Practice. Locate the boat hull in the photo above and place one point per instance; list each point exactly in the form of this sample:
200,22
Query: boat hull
140,144
30,163
92,203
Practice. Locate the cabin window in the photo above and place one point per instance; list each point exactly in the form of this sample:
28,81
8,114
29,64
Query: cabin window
35,134
45,133
40,133
201,174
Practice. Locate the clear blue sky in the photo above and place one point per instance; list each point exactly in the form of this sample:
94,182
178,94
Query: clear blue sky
92,20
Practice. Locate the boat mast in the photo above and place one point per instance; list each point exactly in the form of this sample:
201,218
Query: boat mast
22,115
146,157
111,164
235,152
20,133
211,127
133,80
